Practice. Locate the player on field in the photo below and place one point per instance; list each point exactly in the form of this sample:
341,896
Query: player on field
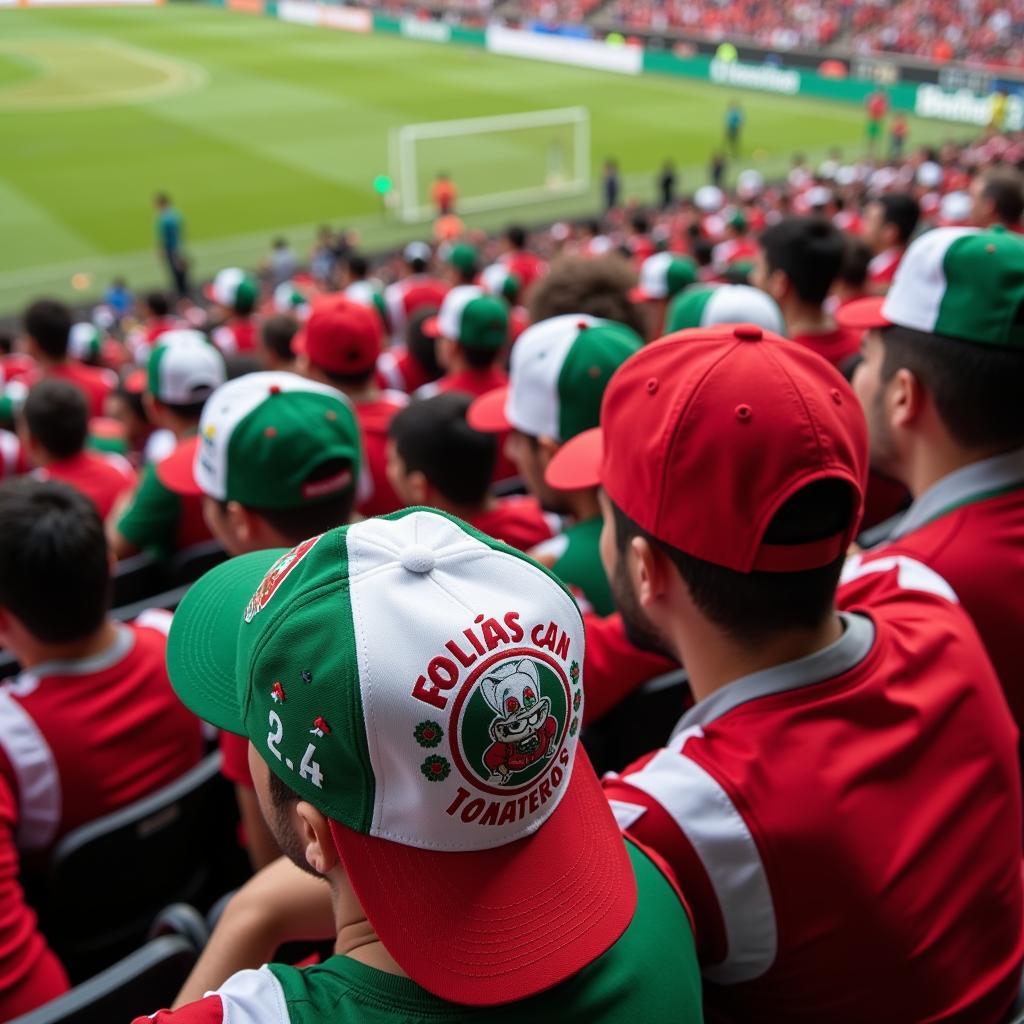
475,870
733,127
840,805
170,237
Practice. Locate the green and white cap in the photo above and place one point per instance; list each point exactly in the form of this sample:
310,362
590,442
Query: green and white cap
463,256
471,317
962,283
498,280
724,304
421,685
234,289
664,275
289,298
269,440
366,294
85,342
184,368
558,372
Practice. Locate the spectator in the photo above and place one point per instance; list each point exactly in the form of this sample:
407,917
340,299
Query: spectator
413,292
322,258
119,298
663,276
889,224
235,295
997,198
527,266
461,264
145,442
409,366
851,283
357,286
282,264
276,335
707,305
48,329
54,425
170,232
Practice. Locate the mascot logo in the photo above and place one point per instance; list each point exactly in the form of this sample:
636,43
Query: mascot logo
276,575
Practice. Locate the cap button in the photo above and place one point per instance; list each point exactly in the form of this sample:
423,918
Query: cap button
418,558
748,332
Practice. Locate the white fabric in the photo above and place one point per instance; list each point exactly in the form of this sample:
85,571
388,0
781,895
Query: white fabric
911,574
252,997
493,279
428,609
654,275
449,316
742,304
225,285
189,368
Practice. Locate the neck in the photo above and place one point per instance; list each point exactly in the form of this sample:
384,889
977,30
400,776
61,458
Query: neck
582,505
356,937
467,512
937,461
180,428
31,654
804,318
357,393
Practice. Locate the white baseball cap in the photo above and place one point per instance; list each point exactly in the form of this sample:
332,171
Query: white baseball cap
184,368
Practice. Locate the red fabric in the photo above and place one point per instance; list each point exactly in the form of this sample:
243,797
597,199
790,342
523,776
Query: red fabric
882,269
836,345
518,521
30,974
204,1011
20,367
234,759
473,382
95,383
526,266
374,419
340,336
421,292
884,498
101,478
398,370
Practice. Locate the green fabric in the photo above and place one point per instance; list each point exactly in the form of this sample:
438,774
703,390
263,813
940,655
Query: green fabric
598,351
687,309
463,257
682,272
246,295
150,521
484,323
580,565
650,975
984,289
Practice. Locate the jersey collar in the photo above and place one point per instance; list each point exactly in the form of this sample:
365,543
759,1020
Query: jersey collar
985,479
839,657
122,644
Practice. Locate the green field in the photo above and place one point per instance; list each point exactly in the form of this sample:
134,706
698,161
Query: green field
255,126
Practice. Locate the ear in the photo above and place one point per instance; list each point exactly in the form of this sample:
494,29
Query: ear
905,399
241,522
446,352
649,570
419,488
315,833
778,285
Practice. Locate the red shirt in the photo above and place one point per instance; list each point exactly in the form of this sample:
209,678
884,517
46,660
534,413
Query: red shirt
836,345
526,266
374,419
469,382
882,269
847,827
397,370
406,297
95,383
518,521
102,478
81,739
238,335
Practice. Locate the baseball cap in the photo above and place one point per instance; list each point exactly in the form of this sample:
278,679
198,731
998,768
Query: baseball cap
963,283
340,336
85,342
709,198
749,184
471,317
955,209
463,257
663,275
498,280
558,372
724,304
184,368
234,289
289,298
263,438
741,418
420,684
417,251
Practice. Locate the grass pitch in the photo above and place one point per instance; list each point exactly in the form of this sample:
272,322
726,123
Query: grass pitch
257,127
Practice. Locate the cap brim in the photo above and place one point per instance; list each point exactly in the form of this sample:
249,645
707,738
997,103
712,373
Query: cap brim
496,926
638,294
431,327
210,294
863,314
577,464
299,345
202,645
176,472
487,413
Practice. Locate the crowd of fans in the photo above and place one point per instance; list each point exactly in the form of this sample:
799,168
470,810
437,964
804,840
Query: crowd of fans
836,821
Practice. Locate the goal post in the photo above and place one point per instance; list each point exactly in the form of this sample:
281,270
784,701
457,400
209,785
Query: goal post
493,162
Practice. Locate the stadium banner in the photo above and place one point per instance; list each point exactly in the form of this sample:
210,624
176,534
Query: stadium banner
967,107
307,12
624,58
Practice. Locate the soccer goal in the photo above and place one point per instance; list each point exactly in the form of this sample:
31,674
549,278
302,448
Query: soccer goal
493,162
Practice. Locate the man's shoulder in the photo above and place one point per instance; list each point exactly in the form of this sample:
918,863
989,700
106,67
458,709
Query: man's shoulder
248,997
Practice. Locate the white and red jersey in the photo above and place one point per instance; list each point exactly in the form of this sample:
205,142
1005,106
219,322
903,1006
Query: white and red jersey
13,458
378,496
882,268
527,267
847,827
236,337
80,739
734,250
409,295
101,476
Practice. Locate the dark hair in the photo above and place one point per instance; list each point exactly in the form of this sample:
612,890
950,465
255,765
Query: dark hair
57,416
750,607
238,364
48,322
1003,189
599,287
282,796
6,343
277,332
358,266
853,269
53,560
902,210
157,303
976,388
516,236
809,251
312,517
132,399
422,347
349,380
433,438
480,357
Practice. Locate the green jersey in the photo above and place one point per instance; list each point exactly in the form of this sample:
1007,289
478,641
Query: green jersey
577,553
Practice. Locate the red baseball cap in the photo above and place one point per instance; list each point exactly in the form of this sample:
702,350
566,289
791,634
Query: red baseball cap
706,433
340,336
863,314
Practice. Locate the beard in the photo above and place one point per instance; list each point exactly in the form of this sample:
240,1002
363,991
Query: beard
640,631
281,826
882,446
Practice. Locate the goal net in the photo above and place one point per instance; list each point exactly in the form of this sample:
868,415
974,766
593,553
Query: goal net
493,162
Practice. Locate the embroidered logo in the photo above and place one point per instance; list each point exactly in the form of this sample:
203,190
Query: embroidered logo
276,575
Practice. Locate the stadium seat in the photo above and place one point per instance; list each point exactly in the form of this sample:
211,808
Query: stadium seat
109,879
192,562
168,600
137,577
180,919
142,982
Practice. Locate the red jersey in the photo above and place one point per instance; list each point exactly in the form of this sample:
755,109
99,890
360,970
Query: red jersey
95,383
469,382
374,419
527,267
238,335
882,269
836,345
101,477
30,974
406,297
847,827
969,528
397,370
13,460
734,250
80,739
518,521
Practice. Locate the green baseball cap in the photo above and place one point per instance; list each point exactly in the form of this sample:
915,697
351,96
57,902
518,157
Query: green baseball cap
959,282
471,317
420,684
85,342
184,368
265,440
463,257
709,305
558,372
663,275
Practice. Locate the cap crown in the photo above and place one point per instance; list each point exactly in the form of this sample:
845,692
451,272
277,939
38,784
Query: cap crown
343,336
263,436
473,318
184,368
415,680
665,274
709,305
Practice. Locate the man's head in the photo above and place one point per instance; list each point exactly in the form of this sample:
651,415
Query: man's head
853,270
161,200
515,236
436,458
708,305
997,198
771,439
890,221
47,325
462,264
54,421
157,304
557,376
183,371
417,257
662,277
54,571
407,761
339,343
234,291
276,334
471,328
799,260
943,366
277,459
